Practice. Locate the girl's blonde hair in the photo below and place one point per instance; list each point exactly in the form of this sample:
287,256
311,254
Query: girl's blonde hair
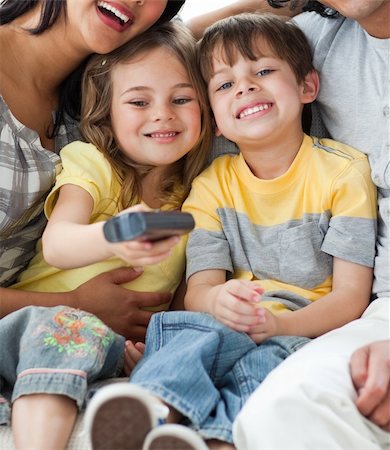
96,114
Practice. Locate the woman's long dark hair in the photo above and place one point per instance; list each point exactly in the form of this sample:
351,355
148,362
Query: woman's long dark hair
51,10
311,5
70,90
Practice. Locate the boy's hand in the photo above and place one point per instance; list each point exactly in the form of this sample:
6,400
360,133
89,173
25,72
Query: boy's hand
234,304
133,354
268,326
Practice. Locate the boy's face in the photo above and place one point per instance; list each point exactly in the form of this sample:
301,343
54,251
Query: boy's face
256,100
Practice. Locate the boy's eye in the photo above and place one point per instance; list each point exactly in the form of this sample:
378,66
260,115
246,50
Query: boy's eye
264,72
224,86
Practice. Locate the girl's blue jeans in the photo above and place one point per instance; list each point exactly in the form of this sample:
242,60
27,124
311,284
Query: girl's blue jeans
54,351
206,370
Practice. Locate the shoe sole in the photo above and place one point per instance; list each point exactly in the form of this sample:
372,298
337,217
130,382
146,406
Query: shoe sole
121,423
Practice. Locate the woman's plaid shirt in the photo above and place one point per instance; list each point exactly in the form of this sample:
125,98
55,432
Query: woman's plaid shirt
27,173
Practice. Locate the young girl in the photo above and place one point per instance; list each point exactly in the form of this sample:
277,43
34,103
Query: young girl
148,138
39,115
44,46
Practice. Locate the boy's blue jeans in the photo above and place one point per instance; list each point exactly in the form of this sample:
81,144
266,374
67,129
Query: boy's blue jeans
206,370
54,351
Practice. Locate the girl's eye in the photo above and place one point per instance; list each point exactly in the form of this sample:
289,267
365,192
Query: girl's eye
138,103
264,72
182,101
224,86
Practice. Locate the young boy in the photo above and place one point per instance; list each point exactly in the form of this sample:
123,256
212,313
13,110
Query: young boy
284,243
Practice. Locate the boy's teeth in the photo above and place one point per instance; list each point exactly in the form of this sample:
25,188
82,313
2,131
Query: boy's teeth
113,10
255,109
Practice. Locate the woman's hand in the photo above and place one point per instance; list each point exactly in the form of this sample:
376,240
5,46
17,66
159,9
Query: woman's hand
119,308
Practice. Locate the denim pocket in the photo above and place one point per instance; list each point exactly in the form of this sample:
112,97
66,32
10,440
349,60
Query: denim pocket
302,262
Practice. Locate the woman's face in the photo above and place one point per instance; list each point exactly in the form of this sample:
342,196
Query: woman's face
100,26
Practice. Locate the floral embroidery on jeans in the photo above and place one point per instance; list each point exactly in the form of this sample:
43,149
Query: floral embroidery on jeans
77,333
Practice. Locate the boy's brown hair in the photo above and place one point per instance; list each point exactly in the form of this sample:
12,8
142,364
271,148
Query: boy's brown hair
246,34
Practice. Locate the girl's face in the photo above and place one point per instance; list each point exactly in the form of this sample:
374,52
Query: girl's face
100,26
155,113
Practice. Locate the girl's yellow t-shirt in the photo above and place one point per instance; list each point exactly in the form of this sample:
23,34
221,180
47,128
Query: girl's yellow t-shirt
85,166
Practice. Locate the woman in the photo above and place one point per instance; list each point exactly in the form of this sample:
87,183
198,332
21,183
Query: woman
43,46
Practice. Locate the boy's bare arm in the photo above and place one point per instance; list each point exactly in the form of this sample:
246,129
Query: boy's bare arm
177,303
199,296
348,299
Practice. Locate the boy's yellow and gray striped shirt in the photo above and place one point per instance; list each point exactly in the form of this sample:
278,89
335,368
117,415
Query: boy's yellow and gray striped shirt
284,232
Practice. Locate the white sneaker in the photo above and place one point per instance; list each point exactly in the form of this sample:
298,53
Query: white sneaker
119,417
173,437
